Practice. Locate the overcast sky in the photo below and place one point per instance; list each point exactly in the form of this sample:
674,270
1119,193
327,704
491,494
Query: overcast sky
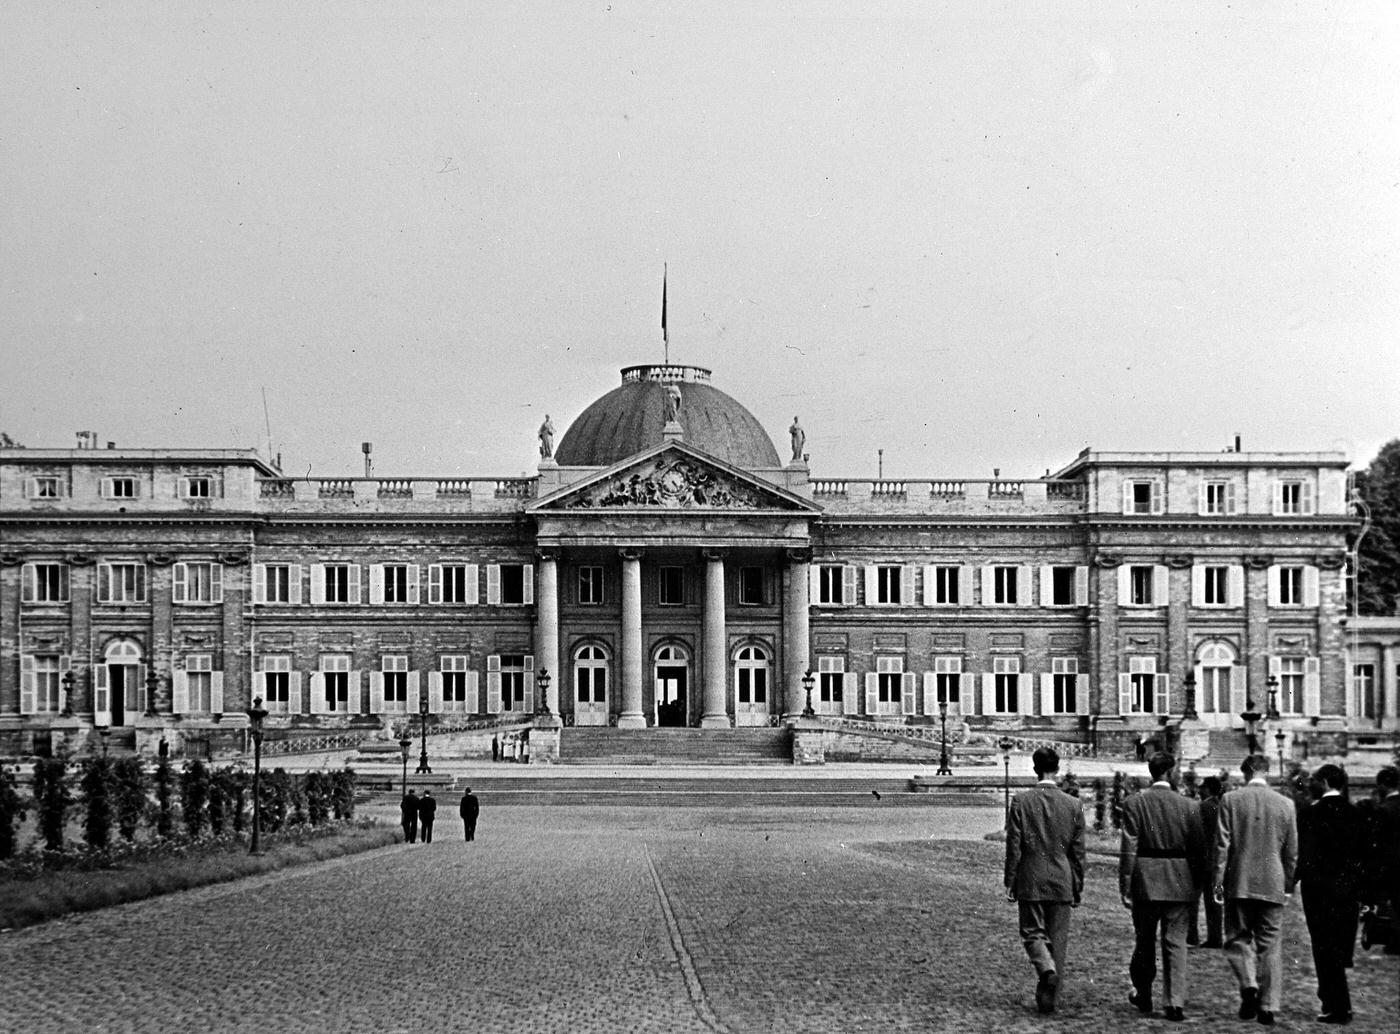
970,234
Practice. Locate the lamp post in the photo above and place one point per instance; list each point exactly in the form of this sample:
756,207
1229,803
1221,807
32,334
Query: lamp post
423,755
104,733
808,681
1250,717
1279,737
68,681
542,679
405,745
1272,683
1004,745
1190,712
943,768
256,715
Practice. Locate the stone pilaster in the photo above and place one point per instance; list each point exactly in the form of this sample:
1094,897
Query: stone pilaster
716,713
547,625
631,717
797,656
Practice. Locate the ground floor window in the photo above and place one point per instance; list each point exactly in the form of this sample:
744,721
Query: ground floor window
751,676
591,676
335,683
454,684
276,682
831,685
1064,694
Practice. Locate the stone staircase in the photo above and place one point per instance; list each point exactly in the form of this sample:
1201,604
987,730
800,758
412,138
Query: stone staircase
676,747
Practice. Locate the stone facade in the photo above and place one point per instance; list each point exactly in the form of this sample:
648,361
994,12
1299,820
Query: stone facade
154,593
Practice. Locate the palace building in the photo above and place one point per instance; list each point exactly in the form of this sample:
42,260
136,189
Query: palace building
665,567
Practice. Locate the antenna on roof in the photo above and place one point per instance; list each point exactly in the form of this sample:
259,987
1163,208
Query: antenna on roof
665,337
267,422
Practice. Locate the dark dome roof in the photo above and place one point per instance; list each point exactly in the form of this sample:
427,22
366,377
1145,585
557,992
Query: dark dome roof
629,419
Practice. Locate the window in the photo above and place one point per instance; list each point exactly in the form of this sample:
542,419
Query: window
1215,677
885,585
942,585
889,685
590,585
1217,585
1064,686
1142,496
456,684
453,584
1290,586
199,683
1068,585
276,683
338,583
335,684
197,487
1217,498
277,583
119,488
1142,585
1006,685
1290,685
831,684
121,582
1363,688
1141,690
947,683
45,486
1293,498
198,582
591,675
1005,586
41,683
508,672
751,676
45,582
833,585
393,583
671,582
394,682
751,586
510,585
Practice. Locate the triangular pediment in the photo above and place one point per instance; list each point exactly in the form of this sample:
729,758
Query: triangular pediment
673,476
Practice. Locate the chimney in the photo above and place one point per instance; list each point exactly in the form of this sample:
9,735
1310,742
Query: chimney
996,472
111,445
1237,443
367,448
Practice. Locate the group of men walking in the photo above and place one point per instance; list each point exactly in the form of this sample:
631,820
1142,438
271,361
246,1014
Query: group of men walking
1245,850
417,814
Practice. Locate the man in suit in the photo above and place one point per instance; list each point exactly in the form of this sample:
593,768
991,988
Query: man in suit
427,812
408,816
1384,877
1210,816
1331,846
1160,865
1257,846
1045,871
469,810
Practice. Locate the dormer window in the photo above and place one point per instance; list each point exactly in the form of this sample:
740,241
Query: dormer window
197,487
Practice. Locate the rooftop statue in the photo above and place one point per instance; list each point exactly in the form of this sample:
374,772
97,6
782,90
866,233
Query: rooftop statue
546,433
673,403
799,440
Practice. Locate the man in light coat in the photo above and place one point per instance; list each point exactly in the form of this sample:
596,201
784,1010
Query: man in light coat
1160,865
1044,871
1257,845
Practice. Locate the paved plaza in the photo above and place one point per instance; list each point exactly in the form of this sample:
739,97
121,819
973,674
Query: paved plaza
603,919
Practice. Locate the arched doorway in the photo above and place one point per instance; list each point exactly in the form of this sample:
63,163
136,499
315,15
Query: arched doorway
119,687
590,686
751,668
1220,686
671,668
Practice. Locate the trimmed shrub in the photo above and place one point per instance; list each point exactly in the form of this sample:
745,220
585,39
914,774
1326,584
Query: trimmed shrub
52,799
218,803
130,785
343,793
194,796
317,790
165,783
11,812
97,786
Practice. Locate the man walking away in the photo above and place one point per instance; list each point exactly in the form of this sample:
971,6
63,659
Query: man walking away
408,816
1384,862
427,811
1210,815
1045,871
1331,845
1257,844
469,810
1160,865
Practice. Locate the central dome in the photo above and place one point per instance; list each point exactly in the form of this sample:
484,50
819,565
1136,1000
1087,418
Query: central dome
630,419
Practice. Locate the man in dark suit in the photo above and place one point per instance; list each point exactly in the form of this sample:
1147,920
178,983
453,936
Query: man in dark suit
1160,865
1257,847
1210,816
1331,845
1044,871
408,816
427,812
1384,876
469,810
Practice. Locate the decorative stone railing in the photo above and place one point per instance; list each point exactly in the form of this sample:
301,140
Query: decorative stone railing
515,488
319,744
454,488
948,489
339,488
395,489
888,489
1001,489
828,488
1065,490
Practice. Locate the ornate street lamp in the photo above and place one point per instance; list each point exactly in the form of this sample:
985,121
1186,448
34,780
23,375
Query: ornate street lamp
943,768
68,681
405,745
808,681
1272,683
1251,717
1004,745
1190,712
104,733
257,714
1279,737
542,679
423,756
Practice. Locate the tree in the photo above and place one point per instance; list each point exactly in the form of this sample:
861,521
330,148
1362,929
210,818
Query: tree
1378,553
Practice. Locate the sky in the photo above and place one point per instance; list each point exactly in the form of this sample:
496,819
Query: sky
973,235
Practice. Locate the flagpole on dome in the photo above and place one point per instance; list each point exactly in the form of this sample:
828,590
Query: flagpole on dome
665,337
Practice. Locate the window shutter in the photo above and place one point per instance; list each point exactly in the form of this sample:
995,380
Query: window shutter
1239,688
1310,586
473,584
318,583
989,593
413,694
967,693
216,692
1274,594
871,593
413,587
316,693
850,692
906,586
1278,498
1161,685
141,686
1125,693
814,585
376,584
1024,596
355,692
435,692
1231,507
493,585
848,585
473,692
28,579
104,583
527,582
180,692
1307,507
26,684
1081,586
65,664
1198,585
1201,492
1159,502
989,693
1127,498
216,583
376,692
101,695
1025,693
930,585
1047,694
909,692
259,583
434,583
354,583
1312,686
1159,586
180,584
1125,585
1047,586
930,693
872,693
1235,586
1081,694
493,684
1275,667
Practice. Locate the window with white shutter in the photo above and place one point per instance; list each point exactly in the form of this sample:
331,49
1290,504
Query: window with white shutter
831,684
44,581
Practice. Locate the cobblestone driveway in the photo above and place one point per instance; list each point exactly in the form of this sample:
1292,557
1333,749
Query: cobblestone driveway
620,919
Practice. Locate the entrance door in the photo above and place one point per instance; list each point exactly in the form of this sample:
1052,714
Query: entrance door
119,692
590,686
670,695
751,686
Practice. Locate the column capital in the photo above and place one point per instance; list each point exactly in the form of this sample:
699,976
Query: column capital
714,554
547,554
630,553
800,555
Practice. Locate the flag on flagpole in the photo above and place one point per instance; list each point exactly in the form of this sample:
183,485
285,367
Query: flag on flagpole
665,338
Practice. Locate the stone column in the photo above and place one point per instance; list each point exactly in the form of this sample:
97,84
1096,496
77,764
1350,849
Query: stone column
547,625
716,713
797,657
631,717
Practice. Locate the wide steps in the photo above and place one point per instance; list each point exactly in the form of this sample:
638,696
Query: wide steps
607,746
